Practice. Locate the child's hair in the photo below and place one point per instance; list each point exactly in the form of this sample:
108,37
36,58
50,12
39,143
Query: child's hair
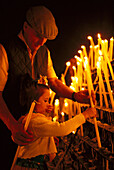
30,90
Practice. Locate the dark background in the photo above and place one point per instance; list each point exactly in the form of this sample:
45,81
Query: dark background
75,20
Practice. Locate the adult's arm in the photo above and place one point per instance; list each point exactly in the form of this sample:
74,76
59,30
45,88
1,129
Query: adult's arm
64,91
21,137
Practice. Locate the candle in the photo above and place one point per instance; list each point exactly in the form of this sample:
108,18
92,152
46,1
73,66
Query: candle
62,114
52,97
111,48
109,64
56,107
99,41
25,128
91,56
84,50
96,55
90,87
104,68
91,40
67,66
74,68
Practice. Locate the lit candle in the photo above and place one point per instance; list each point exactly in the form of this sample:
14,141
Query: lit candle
96,55
100,89
56,107
111,48
99,40
91,40
102,85
84,50
91,56
104,68
74,68
67,66
90,87
62,114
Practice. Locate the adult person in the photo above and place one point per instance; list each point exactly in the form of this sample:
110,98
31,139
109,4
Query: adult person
27,53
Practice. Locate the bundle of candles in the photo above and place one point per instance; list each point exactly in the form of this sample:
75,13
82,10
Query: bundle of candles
98,58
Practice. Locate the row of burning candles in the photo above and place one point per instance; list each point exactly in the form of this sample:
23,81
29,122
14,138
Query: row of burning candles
99,57
84,66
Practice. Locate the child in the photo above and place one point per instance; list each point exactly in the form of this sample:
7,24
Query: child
44,130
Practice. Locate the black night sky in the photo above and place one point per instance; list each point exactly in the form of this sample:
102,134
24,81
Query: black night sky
75,20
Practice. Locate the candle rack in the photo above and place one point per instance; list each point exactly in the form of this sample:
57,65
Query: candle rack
80,149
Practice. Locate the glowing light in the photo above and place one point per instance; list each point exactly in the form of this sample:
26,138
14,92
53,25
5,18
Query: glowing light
71,87
68,63
73,132
57,102
50,91
89,37
55,118
78,63
78,58
82,46
62,113
100,52
98,35
111,39
82,88
98,64
65,103
79,51
74,68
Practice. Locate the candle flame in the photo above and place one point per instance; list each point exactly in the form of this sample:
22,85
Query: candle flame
78,58
71,87
66,104
78,63
82,88
62,113
99,36
100,52
79,51
106,40
50,91
55,118
57,102
73,132
89,37
74,68
68,63
98,64
111,39
82,46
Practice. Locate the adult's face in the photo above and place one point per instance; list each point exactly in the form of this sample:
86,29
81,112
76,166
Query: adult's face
32,38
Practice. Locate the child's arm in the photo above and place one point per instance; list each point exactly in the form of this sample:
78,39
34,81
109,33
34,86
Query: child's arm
42,127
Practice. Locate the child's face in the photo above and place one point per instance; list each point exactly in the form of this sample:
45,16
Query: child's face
43,102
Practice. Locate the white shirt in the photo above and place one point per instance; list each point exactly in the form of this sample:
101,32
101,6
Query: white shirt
44,130
4,65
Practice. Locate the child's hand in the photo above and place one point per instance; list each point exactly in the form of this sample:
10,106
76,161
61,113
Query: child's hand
89,113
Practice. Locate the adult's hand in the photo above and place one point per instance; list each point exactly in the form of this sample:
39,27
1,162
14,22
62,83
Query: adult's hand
20,136
83,96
